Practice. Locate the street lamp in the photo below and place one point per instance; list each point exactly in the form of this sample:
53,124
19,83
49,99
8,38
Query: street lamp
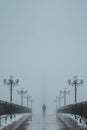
56,101
28,99
59,98
10,82
22,92
31,103
75,83
65,92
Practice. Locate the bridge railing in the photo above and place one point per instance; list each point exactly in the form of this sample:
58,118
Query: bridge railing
76,109
11,108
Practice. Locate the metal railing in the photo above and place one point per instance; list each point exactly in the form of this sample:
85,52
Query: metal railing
11,108
76,109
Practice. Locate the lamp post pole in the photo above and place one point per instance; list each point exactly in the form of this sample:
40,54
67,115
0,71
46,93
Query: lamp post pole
31,104
75,83
56,101
30,99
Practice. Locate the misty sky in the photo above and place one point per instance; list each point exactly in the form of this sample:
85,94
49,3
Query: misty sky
43,40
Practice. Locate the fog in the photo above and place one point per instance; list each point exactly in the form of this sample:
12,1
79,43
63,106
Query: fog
43,43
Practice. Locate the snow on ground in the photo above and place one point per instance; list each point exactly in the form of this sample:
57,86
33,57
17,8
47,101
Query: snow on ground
9,121
77,119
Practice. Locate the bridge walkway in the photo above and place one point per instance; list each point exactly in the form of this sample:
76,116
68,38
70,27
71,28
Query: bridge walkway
51,122
48,122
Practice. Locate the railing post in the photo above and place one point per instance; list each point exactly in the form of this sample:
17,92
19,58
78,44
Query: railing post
6,119
0,120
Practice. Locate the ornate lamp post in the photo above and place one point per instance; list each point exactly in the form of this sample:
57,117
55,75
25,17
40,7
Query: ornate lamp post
56,101
10,82
65,92
31,103
58,98
22,92
75,83
28,99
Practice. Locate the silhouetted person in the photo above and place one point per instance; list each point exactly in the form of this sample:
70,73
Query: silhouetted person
44,108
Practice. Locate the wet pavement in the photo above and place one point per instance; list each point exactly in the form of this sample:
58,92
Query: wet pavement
44,122
48,122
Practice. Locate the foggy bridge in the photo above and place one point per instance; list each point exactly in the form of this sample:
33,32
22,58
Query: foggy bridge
62,120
